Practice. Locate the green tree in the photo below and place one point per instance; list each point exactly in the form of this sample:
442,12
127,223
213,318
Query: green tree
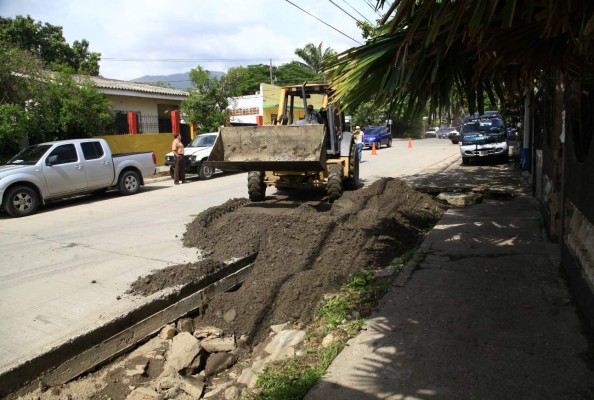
47,42
425,50
295,73
241,81
207,105
36,105
314,56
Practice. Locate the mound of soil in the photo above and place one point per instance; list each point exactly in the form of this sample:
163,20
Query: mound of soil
304,251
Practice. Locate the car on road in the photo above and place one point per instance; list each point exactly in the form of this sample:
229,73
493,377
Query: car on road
444,133
378,135
454,135
65,168
196,152
431,132
485,136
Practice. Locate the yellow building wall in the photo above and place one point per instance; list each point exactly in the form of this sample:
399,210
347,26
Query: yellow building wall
160,144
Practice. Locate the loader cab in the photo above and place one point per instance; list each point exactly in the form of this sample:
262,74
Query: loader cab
292,110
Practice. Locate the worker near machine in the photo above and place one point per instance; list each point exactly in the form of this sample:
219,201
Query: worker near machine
179,169
358,135
313,117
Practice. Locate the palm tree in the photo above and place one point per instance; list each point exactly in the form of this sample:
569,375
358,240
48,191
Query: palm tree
313,56
426,49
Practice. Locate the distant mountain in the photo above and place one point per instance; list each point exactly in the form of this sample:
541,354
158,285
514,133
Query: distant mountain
177,81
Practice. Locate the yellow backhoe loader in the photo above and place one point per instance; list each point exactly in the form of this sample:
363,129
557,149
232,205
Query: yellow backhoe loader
297,151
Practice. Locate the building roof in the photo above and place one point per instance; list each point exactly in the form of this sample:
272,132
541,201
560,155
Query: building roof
113,86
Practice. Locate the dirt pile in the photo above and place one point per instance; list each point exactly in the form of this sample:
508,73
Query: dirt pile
304,250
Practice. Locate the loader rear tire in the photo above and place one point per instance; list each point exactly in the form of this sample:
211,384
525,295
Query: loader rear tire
334,182
256,186
352,180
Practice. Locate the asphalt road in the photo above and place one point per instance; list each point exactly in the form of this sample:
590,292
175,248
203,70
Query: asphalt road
65,270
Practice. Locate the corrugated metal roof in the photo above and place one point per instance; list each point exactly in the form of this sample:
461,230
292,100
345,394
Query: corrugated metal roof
104,83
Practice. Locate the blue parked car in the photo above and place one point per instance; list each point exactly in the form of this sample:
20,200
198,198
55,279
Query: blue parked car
378,135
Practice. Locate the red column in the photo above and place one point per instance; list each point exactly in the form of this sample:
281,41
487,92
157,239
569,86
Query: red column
259,120
132,123
175,121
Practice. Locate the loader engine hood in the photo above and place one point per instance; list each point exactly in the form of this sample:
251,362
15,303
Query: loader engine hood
270,148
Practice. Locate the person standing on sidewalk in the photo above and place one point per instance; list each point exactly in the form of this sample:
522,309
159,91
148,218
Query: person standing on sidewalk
179,169
358,135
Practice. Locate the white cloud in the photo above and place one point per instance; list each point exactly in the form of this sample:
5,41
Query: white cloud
159,35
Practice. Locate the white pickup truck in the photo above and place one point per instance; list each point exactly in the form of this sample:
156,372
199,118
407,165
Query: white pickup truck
54,170
196,152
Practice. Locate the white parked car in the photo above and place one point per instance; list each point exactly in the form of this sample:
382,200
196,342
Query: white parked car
431,132
196,152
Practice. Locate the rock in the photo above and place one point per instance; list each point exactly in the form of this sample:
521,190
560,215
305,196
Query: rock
196,365
283,345
216,390
460,199
208,331
232,393
328,340
279,327
185,325
192,386
230,316
139,370
248,378
144,393
218,362
218,345
168,332
184,348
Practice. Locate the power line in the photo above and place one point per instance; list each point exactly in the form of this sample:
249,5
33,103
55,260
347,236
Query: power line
203,60
311,15
364,17
368,2
341,9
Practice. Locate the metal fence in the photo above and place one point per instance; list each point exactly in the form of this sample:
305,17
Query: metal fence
144,123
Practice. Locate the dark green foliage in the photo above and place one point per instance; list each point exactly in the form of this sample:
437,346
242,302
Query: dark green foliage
48,44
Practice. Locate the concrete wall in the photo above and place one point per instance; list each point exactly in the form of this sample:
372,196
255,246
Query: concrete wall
160,144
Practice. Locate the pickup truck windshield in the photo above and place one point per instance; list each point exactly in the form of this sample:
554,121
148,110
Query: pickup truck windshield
30,155
203,141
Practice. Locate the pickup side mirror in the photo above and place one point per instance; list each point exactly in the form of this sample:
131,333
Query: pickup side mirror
51,160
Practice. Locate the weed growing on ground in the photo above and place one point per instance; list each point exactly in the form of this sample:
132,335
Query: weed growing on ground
341,316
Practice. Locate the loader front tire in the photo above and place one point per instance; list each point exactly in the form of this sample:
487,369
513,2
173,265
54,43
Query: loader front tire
334,182
352,180
256,186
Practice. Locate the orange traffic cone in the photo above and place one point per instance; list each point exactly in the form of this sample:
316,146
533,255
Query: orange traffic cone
409,143
373,152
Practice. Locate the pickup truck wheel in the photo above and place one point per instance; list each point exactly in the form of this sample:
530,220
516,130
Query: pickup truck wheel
256,186
172,172
334,182
21,201
390,142
129,183
205,171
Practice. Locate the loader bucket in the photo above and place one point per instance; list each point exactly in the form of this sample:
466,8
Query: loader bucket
270,148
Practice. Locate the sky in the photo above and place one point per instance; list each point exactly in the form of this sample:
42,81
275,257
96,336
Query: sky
138,38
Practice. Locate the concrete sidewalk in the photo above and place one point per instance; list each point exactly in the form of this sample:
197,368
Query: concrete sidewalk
484,313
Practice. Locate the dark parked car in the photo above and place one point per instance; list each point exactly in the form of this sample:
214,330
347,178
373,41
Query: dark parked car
444,133
378,135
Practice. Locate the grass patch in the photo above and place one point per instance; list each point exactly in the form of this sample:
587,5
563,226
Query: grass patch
341,316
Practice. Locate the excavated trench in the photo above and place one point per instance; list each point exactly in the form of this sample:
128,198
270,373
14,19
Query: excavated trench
281,257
